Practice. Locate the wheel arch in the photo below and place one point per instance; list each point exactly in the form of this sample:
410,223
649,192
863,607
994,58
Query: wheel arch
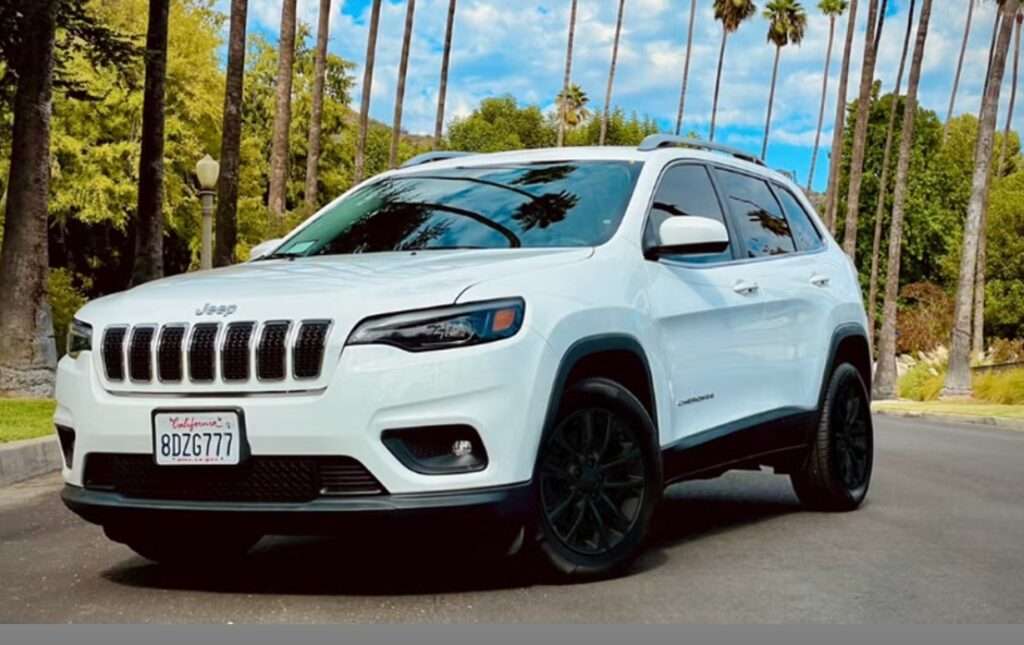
849,344
619,357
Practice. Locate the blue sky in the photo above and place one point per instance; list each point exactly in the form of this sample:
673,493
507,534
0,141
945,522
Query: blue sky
518,47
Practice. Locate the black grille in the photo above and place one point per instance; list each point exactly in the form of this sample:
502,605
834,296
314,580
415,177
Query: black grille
140,354
270,354
234,355
201,352
113,352
259,479
308,353
168,353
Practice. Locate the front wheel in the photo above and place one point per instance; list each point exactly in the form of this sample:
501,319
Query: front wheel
598,481
837,471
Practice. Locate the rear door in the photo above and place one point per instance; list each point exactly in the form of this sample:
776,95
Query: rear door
710,321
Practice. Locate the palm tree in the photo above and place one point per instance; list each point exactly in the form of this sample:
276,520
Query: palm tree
958,376
860,133
27,352
787,22
231,139
686,66
568,73
959,66
876,241
731,13
149,228
978,327
442,92
572,107
831,192
403,69
317,106
282,111
611,74
364,108
833,9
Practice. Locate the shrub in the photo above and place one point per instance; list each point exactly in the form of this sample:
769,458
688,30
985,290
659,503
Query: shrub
926,319
1003,351
65,300
922,382
1001,387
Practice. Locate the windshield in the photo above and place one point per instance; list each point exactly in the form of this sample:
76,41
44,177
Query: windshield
578,203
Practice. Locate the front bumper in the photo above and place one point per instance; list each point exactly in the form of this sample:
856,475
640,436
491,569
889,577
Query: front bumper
466,510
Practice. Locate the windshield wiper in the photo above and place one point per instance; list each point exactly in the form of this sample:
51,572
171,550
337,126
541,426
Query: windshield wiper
279,255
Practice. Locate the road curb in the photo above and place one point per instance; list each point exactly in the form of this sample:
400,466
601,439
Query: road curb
20,460
991,422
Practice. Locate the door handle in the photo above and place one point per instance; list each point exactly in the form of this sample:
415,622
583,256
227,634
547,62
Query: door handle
819,280
745,288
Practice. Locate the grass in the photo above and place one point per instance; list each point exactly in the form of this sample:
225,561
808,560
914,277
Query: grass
924,383
25,418
953,408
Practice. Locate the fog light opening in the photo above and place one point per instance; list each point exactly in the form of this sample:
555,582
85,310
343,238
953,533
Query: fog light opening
437,450
462,447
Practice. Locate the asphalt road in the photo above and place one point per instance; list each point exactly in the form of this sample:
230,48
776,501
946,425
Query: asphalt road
940,539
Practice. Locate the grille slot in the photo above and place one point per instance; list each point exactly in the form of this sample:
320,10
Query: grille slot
201,352
168,353
140,354
270,355
308,353
113,352
259,479
234,355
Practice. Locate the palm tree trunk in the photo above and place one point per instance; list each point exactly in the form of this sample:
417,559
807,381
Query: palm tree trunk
885,385
364,109
958,376
317,106
403,69
978,326
824,96
718,84
771,100
442,92
231,139
282,111
836,156
611,74
27,349
686,67
959,67
568,75
149,228
860,135
876,241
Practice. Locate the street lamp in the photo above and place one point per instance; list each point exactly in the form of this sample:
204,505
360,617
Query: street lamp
207,170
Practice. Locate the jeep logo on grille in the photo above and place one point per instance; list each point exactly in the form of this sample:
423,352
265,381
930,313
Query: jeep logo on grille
216,310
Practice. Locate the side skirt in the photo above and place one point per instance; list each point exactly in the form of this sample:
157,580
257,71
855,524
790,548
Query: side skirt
777,438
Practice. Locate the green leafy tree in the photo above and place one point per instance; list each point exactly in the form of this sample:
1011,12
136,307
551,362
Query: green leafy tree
501,124
572,108
787,22
732,14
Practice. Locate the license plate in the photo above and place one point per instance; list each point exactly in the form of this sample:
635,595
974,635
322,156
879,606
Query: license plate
190,438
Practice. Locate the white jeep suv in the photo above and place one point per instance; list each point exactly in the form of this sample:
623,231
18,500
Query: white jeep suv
539,340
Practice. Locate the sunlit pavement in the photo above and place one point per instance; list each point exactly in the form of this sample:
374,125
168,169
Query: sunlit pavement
941,539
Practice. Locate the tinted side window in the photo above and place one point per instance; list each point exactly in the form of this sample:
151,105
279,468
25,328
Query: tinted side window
757,215
804,232
685,191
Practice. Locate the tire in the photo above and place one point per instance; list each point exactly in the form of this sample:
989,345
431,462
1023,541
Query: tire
598,480
191,549
837,471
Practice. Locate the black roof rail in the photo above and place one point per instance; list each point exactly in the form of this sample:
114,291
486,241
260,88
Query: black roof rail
655,141
436,155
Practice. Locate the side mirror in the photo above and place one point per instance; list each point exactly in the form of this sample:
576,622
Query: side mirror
263,248
689,235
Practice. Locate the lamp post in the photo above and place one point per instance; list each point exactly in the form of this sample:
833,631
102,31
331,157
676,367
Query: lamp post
207,170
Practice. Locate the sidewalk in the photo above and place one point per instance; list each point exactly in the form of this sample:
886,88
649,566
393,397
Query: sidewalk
1010,417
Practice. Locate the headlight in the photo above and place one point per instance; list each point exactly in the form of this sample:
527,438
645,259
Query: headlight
79,338
443,328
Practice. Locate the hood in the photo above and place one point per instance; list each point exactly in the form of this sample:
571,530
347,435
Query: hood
341,287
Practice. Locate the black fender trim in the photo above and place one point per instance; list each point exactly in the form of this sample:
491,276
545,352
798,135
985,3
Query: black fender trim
841,333
588,346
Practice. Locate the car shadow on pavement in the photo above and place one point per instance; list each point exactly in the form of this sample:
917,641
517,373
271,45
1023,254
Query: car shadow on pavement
410,564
